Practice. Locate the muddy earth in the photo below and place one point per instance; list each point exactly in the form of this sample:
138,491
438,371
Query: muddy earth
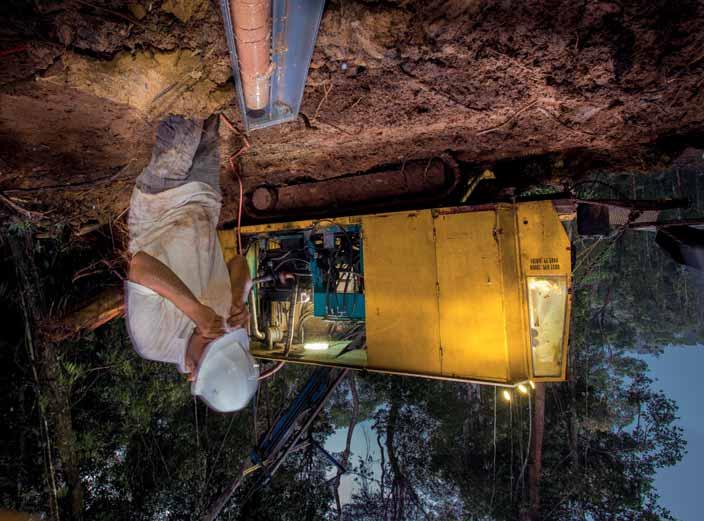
549,89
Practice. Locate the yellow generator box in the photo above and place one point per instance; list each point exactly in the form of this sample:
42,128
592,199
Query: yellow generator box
478,294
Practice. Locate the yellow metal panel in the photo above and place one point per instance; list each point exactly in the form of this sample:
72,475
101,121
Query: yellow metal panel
228,243
472,324
457,281
544,245
545,251
400,293
514,303
297,225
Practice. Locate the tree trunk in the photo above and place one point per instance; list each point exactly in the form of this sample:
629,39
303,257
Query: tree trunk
398,477
574,425
536,453
56,395
108,305
348,442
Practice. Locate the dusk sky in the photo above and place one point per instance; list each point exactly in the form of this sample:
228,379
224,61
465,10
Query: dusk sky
677,373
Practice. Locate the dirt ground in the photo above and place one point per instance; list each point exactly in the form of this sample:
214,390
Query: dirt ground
580,85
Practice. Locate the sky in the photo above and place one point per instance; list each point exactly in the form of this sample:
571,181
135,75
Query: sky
678,373
363,445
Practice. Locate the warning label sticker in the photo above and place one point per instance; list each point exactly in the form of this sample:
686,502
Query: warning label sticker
544,264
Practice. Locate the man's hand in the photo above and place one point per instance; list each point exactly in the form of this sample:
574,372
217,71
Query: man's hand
194,352
239,316
152,273
208,323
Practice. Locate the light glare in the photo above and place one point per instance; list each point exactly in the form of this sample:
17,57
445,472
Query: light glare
316,346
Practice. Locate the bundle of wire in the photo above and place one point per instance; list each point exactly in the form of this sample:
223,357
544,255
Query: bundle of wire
339,266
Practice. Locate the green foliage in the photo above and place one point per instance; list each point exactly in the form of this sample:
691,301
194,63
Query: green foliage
18,227
438,450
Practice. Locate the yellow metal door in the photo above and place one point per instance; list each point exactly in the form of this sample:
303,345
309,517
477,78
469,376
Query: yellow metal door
447,291
472,317
545,255
400,293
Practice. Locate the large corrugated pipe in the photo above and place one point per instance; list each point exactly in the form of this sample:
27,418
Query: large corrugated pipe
252,27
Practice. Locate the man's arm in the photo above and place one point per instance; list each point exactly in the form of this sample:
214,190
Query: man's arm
157,276
241,284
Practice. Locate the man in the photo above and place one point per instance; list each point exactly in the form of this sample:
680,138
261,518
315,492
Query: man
181,297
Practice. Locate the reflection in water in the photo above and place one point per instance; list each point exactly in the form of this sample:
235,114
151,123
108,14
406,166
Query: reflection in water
609,432
364,448
677,372
421,449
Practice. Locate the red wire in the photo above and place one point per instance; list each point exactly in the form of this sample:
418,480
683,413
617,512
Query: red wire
239,206
273,370
14,50
235,171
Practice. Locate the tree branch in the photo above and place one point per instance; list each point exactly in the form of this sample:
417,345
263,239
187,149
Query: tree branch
348,442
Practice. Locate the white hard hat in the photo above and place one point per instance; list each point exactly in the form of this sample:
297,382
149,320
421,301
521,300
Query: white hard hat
226,378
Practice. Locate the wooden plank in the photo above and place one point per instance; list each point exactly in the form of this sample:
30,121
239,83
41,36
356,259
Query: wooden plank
108,305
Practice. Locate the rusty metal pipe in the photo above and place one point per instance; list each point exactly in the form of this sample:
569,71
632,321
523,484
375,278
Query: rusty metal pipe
251,20
417,184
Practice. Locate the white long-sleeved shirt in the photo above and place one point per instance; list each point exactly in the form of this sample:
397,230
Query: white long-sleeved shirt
177,227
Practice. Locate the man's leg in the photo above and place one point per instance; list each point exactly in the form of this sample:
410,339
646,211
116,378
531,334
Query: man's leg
177,141
206,163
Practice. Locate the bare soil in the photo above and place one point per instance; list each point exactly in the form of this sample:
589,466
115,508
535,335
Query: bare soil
575,86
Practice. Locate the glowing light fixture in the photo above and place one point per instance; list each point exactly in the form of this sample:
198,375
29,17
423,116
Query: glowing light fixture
522,389
532,385
506,395
271,43
316,346
547,302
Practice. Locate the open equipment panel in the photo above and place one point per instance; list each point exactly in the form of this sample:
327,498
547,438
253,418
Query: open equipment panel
469,293
307,303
